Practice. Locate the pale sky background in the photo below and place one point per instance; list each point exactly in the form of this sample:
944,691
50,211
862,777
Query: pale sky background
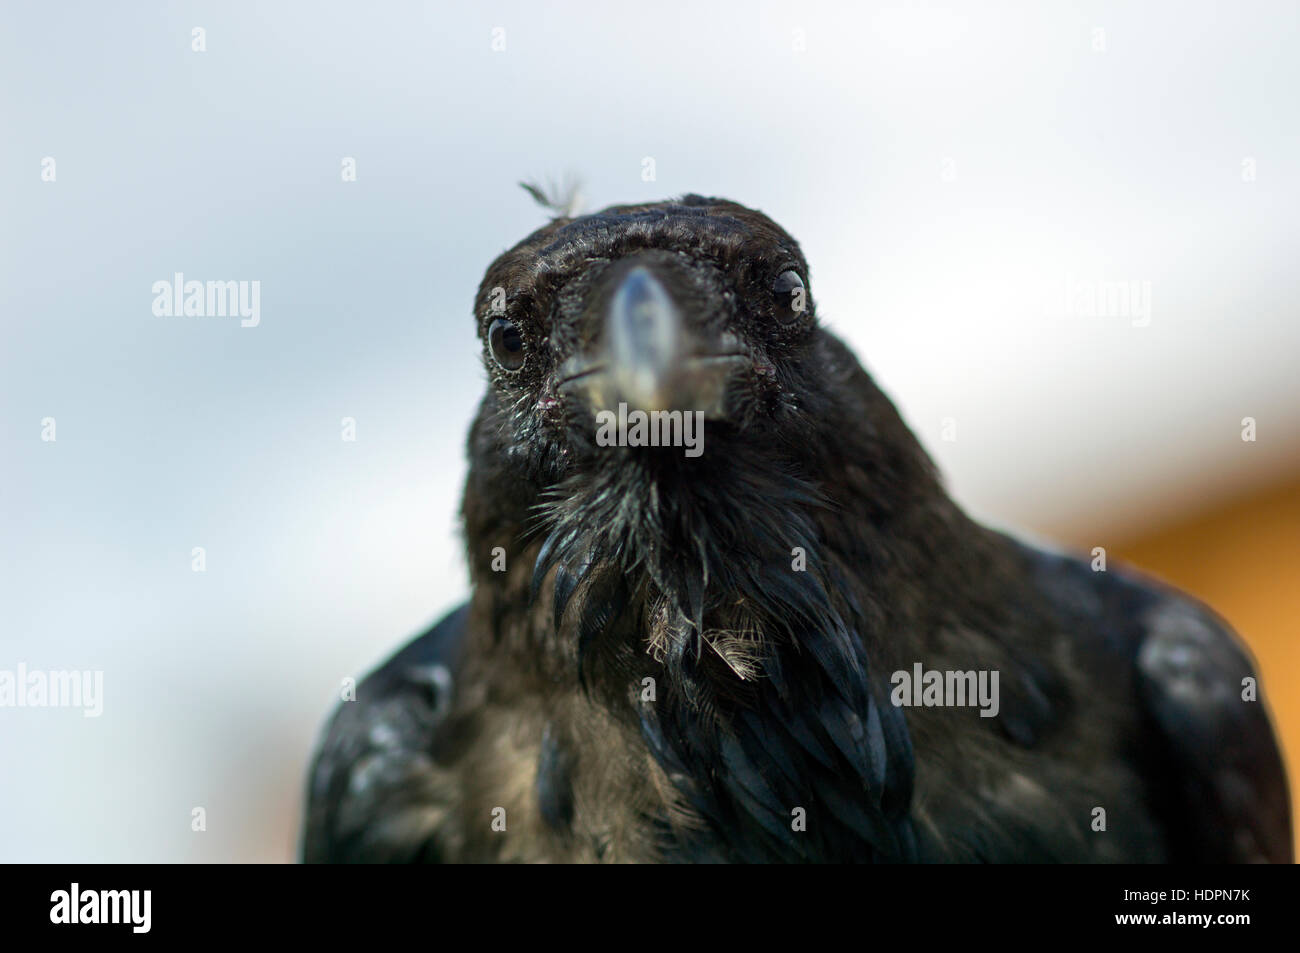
948,171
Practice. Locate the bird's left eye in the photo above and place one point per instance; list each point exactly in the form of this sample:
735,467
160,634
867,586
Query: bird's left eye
791,296
506,344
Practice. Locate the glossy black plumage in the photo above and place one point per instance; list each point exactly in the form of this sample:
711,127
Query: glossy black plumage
689,658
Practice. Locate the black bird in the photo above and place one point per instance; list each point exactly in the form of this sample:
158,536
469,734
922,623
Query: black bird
688,652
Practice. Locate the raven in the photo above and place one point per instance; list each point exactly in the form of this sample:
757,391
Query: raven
705,656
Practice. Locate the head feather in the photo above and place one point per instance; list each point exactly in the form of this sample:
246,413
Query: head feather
564,198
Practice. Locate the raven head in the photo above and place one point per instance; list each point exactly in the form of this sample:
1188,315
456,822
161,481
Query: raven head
687,312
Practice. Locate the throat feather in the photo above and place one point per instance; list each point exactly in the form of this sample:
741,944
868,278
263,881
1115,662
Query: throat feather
763,709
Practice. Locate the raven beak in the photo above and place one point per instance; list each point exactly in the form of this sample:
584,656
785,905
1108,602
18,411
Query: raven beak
650,360
643,335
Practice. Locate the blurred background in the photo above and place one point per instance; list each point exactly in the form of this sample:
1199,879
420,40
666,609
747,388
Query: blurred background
1062,239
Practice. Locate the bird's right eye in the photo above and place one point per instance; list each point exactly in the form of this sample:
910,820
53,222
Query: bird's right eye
791,297
506,344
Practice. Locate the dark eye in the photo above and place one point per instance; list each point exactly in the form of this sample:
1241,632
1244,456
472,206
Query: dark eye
791,297
506,344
